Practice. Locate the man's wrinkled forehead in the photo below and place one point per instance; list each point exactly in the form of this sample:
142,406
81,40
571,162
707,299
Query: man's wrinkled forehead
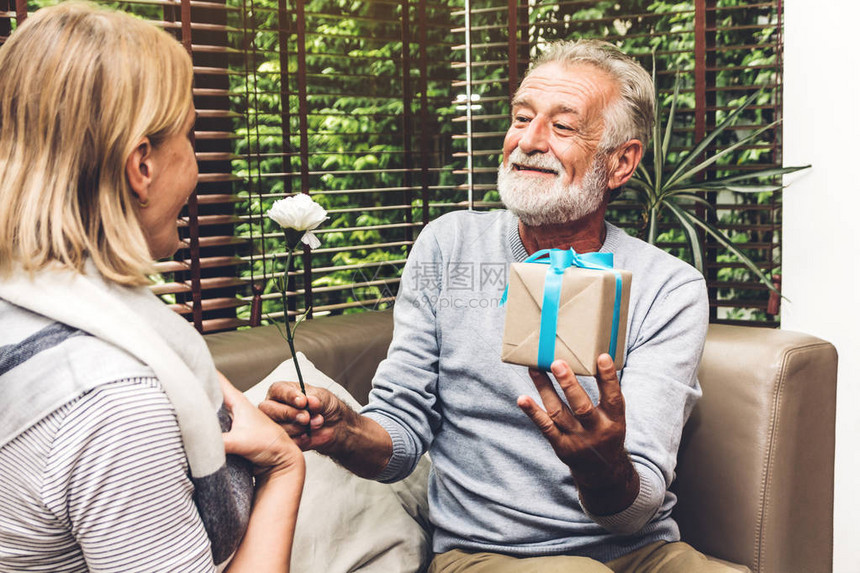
526,99
570,72
581,81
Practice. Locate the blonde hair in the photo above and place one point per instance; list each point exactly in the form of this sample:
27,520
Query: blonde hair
81,86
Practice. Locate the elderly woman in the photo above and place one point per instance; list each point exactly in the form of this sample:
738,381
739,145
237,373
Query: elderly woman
111,453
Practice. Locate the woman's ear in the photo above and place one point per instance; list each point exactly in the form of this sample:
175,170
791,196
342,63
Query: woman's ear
138,169
627,157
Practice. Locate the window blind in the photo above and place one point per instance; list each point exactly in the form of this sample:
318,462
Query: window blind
343,102
720,51
392,112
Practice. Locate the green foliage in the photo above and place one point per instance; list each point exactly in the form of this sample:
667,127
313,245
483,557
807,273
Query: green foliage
679,189
361,164
355,131
357,118
656,32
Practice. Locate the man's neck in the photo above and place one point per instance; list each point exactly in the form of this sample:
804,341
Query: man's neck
585,235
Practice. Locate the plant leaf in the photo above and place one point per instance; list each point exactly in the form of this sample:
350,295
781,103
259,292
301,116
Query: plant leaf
299,319
692,236
671,121
642,175
644,192
776,172
730,246
677,177
694,198
656,137
706,141
646,198
753,188
734,188
653,217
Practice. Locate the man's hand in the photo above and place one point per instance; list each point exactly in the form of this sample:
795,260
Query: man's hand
336,430
588,438
312,421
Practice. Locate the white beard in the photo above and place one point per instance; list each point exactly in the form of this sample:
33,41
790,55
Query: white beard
537,202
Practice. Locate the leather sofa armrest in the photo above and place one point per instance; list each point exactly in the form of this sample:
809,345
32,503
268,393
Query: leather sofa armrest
755,470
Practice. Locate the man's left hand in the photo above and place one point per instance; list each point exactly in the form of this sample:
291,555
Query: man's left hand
588,438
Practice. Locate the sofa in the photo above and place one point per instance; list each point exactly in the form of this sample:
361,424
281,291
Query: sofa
755,468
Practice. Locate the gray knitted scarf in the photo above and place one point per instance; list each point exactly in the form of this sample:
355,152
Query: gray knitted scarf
133,320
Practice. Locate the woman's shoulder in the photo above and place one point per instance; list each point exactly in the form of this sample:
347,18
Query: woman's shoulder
107,409
92,465
115,418
45,365
121,414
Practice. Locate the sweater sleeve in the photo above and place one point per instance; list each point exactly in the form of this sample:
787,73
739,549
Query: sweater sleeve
660,388
117,477
403,399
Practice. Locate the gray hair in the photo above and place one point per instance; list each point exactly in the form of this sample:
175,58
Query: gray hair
631,116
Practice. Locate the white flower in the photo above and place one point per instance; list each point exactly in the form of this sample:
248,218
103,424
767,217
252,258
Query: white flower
300,213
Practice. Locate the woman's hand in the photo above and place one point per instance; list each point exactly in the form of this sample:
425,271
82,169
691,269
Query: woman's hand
279,466
255,437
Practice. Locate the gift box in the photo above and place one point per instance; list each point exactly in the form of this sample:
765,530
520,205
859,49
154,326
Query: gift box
560,304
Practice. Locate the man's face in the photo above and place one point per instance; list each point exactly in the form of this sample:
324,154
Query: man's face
552,171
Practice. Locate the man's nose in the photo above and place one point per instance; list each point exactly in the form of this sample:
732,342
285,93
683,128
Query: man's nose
536,138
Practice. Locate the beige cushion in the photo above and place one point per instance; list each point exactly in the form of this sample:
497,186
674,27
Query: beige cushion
347,523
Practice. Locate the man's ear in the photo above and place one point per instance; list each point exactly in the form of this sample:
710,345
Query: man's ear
138,169
626,157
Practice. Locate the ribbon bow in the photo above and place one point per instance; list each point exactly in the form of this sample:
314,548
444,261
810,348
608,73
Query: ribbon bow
560,260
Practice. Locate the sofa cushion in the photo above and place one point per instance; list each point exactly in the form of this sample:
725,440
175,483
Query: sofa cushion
347,523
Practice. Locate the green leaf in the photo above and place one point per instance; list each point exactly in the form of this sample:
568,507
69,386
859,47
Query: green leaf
730,246
776,172
299,319
706,141
752,188
653,217
671,121
642,175
696,248
695,199
656,137
677,176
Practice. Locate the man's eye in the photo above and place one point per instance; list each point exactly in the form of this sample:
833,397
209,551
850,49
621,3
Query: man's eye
521,119
563,127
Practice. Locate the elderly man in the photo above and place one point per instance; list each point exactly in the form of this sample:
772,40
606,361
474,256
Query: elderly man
582,484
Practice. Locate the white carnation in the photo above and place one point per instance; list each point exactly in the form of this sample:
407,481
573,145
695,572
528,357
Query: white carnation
300,213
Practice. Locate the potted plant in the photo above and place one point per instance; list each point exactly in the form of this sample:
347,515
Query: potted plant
657,188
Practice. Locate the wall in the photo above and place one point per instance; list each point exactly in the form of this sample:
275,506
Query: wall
821,210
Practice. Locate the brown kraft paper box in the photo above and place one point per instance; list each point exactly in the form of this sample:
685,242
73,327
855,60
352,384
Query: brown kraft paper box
584,316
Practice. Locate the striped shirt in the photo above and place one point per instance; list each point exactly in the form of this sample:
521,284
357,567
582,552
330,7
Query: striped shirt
101,484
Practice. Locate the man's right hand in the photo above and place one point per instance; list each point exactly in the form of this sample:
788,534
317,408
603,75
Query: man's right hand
321,422
312,421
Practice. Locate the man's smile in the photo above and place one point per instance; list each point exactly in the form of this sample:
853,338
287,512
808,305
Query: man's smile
529,168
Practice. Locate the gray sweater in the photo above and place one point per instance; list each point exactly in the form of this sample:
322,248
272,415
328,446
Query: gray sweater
496,483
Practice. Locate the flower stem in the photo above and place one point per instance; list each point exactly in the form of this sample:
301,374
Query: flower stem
287,316
296,362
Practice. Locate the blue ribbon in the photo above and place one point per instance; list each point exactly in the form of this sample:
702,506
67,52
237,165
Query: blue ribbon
559,260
